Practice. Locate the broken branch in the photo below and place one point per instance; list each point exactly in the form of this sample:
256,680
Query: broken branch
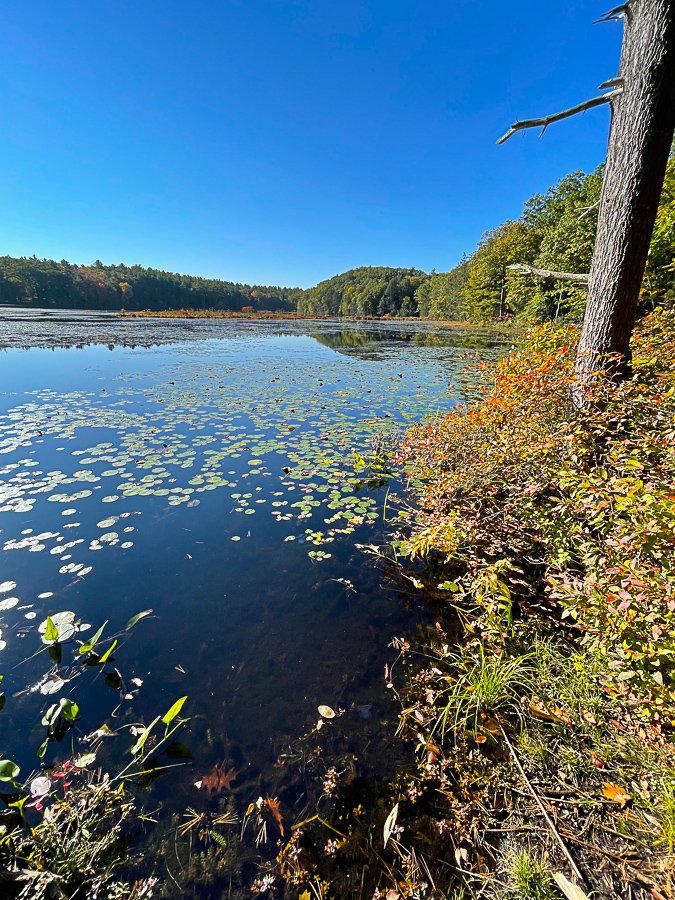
545,121
614,15
577,277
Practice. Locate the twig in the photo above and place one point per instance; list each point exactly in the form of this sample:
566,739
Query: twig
545,121
586,210
578,277
548,819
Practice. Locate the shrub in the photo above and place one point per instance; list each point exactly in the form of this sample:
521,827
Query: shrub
576,507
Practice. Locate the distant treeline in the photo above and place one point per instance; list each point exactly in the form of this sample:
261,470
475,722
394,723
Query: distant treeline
29,281
555,231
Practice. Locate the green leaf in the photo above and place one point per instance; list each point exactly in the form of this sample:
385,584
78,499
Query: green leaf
140,743
91,643
42,749
107,653
69,709
137,618
8,770
51,631
169,716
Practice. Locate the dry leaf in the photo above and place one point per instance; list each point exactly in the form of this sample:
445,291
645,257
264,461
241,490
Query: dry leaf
616,794
327,712
272,803
218,779
552,714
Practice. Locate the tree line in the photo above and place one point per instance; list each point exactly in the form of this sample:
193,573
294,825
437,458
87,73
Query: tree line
28,281
556,231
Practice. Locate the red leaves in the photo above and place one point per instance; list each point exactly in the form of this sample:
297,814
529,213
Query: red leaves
218,779
272,803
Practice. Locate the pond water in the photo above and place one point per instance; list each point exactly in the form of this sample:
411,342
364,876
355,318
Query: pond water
221,474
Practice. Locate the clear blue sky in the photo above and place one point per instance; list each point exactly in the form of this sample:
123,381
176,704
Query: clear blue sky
283,142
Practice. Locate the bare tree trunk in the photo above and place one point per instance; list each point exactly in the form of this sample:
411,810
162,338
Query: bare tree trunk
643,121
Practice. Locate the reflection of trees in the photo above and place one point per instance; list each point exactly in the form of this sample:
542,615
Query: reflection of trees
363,342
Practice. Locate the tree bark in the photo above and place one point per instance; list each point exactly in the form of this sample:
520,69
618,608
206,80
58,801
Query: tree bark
641,133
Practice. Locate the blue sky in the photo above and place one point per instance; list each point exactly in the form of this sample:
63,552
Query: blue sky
283,142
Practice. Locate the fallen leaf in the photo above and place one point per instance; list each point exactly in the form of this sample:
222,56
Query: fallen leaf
327,712
549,714
272,803
616,794
218,779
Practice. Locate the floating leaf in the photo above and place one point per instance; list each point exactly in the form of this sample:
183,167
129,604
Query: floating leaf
84,760
8,770
51,631
327,712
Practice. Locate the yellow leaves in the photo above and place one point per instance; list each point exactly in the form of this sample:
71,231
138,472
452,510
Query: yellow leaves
616,794
551,713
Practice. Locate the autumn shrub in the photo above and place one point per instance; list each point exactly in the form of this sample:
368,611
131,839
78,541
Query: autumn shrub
575,509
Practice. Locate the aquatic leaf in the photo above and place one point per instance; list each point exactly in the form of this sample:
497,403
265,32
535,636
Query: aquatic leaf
137,618
218,779
51,685
91,643
272,803
51,631
390,824
69,710
144,735
171,714
58,628
327,712
106,655
84,760
8,770
40,787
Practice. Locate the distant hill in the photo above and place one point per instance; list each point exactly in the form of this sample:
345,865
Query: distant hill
367,291
28,281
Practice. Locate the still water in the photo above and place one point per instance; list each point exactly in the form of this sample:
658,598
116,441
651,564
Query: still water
219,474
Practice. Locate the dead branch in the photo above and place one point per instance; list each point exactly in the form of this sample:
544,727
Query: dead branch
545,121
541,806
614,15
577,277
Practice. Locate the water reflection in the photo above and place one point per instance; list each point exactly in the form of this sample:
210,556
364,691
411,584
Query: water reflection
210,476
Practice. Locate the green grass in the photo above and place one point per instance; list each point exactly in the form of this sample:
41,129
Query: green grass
483,682
530,876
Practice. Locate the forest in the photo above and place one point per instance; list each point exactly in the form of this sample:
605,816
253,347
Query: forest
555,231
44,283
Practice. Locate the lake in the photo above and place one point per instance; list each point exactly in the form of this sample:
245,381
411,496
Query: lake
222,474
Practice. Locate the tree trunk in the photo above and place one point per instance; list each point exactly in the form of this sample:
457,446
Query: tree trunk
643,121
